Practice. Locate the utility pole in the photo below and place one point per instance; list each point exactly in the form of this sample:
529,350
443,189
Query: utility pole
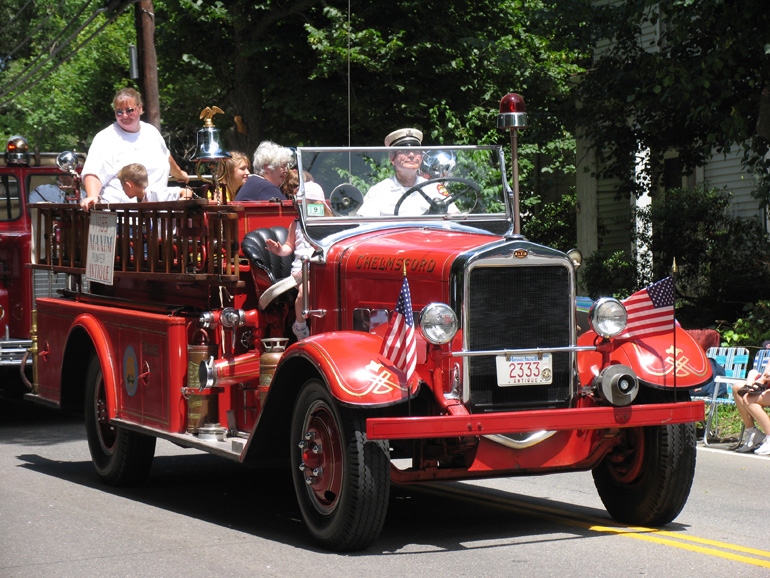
144,14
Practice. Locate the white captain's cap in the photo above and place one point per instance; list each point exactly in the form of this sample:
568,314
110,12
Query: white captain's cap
404,137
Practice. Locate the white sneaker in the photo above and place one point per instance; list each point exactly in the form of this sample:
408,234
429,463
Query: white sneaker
301,331
753,438
764,449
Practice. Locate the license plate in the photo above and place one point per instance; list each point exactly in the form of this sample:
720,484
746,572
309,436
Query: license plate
524,369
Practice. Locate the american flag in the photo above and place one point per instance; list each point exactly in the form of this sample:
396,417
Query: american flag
399,344
651,310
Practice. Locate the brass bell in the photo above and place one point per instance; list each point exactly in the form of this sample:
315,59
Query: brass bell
208,147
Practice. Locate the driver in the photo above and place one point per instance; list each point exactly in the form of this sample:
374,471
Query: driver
382,198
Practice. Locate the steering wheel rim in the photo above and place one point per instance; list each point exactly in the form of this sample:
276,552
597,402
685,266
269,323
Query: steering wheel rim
438,206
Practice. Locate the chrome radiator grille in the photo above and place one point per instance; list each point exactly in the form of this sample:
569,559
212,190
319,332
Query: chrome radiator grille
518,308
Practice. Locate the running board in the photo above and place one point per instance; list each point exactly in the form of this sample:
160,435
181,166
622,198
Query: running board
230,447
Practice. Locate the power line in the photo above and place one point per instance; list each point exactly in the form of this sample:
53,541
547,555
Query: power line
115,6
51,12
21,77
15,16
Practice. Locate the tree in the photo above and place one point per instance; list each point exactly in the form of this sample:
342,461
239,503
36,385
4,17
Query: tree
701,86
62,105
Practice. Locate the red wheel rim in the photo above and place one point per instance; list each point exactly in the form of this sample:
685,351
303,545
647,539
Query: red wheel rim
626,462
322,457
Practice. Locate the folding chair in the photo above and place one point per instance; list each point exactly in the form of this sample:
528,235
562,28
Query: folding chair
734,360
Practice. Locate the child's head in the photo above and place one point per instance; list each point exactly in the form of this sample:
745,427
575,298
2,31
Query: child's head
133,177
291,182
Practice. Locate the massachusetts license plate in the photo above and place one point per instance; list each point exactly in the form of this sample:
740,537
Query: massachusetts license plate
524,369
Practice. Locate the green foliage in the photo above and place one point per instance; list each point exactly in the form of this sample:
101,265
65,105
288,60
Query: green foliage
609,275
554,225
282,67
751,329
722,261
74,100
677,78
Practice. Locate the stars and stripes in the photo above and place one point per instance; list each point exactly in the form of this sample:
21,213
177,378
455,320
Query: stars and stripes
651,310
399,344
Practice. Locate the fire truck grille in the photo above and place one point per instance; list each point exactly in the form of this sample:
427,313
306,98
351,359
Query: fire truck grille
518,308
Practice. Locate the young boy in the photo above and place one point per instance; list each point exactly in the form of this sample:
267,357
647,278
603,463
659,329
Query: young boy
134,180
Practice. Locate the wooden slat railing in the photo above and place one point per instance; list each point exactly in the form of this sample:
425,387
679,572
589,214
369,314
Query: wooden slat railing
183,241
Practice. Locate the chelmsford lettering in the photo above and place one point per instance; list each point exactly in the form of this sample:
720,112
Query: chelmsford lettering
390,263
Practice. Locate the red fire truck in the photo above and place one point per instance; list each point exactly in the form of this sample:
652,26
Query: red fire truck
443,344
25,178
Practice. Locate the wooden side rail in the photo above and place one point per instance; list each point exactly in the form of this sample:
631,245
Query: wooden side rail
182,241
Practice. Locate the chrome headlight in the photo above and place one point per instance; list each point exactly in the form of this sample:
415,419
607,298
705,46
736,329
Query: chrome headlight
438,323
576,257
608,317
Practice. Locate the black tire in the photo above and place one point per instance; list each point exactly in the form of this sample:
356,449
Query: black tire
121,457
647,479
344,505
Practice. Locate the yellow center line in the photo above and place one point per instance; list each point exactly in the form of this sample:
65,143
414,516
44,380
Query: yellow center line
598,525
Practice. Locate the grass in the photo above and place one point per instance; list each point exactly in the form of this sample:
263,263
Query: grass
729,422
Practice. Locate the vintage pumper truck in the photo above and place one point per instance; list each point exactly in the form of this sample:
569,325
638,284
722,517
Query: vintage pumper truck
188,339
26,178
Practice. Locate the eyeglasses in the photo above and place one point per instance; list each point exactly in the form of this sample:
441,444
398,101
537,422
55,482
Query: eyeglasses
119,112
409,153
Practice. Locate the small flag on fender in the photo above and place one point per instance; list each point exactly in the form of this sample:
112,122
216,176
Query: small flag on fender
651,310
399,344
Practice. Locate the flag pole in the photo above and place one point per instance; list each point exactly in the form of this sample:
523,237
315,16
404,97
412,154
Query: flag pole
673,319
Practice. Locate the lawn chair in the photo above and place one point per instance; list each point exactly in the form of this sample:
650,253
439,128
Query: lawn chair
734,360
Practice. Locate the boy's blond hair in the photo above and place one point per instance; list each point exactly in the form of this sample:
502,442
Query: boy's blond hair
135,173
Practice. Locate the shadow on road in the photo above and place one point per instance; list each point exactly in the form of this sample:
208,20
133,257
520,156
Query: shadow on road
262,503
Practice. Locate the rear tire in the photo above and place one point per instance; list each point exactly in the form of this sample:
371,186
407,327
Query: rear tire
343,486
121,457
647,479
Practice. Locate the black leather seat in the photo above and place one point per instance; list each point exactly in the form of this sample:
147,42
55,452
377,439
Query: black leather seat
253,246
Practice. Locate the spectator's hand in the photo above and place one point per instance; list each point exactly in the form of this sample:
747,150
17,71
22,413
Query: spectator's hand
183,176
88,202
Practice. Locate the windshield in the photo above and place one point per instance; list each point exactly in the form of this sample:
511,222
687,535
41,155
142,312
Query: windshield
382,185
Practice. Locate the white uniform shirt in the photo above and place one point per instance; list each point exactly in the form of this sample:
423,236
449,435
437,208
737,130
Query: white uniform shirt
381,199
113,148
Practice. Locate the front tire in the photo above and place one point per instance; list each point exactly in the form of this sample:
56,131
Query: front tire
646,480
342,480
121,457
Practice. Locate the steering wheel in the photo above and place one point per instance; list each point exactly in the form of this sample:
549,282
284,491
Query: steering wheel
440,206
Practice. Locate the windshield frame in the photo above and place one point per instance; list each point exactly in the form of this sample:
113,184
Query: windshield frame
343,226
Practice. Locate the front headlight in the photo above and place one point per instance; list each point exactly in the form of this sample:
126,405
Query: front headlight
438,323
608,317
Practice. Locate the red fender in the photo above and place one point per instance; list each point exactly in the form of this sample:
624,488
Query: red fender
103,346
651,358
356,372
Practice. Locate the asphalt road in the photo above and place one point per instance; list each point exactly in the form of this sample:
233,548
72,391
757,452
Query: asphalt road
203,516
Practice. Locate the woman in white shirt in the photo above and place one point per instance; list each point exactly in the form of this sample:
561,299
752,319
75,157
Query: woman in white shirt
126,141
